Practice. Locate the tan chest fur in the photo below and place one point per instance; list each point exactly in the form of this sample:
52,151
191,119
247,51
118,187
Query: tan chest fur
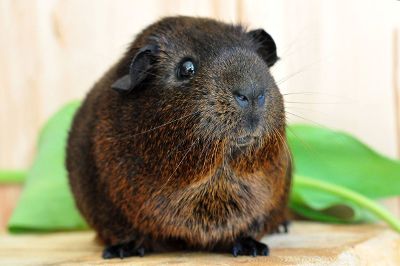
215,208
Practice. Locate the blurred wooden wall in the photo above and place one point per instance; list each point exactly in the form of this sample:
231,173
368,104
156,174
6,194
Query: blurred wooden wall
339,68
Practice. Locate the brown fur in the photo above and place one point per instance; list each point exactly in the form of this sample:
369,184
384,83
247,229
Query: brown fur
159,166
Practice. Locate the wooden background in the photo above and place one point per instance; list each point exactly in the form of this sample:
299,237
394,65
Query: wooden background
340,62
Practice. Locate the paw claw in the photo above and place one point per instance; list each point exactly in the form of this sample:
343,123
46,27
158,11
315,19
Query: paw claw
107,254
236,250
250,247
141,251
122,251
285,226
265,251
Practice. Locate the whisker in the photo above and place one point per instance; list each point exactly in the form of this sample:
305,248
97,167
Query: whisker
306,93
165,124
299,38
177,146
309,110
306,119
285,144
316,102
301,70
183,158
306,145
160,190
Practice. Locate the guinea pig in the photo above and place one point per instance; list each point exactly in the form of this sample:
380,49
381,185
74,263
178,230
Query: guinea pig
181,145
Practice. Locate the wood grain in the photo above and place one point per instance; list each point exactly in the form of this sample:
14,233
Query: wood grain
306,244
396,88
396,71
8,199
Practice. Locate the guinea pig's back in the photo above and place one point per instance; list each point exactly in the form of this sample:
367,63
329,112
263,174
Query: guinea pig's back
90,196
80,162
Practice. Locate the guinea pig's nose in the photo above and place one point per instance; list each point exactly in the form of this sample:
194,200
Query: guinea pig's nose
246,99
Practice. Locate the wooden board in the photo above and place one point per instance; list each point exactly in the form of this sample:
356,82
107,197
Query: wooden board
306,244
9,195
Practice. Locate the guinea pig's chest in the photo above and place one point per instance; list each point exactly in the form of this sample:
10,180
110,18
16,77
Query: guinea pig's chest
223,199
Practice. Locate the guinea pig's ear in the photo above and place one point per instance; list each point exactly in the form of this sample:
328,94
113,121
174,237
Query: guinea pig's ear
138,69
267,46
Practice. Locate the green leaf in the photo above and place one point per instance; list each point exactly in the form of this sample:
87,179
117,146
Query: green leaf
46,203
12,176
347,194
338,159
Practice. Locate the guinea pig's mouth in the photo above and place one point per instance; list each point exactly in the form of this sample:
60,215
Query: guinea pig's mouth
245,140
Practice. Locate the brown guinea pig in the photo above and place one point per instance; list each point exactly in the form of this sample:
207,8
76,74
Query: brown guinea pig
181,144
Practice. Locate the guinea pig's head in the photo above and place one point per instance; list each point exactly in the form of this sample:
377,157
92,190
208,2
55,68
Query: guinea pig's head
219,74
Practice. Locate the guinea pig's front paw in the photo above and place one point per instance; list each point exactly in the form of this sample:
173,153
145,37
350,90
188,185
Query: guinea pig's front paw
123,250
249,246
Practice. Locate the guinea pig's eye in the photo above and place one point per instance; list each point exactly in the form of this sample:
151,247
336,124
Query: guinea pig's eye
186,69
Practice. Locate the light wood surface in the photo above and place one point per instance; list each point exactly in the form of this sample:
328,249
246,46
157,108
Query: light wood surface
8,200
306,244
